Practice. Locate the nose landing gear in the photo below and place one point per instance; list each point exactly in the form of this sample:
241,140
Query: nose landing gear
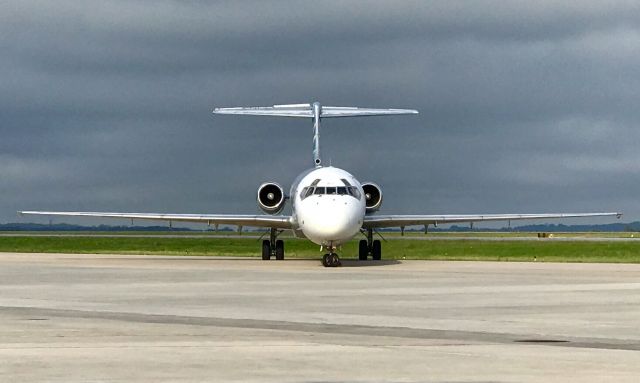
331,260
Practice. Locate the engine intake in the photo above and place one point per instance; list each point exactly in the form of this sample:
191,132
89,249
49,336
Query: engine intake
271,198
372,196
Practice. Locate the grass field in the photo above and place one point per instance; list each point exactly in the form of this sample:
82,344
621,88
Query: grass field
539,250
386,234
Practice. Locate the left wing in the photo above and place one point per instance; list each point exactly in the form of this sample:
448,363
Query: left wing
376,221
277,221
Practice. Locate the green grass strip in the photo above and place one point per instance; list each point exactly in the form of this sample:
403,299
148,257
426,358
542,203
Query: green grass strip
538,250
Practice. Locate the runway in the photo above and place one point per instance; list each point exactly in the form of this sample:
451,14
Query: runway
78,318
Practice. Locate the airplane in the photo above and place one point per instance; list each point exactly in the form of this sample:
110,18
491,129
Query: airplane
329,206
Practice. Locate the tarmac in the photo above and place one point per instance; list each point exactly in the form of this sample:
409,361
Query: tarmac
128,318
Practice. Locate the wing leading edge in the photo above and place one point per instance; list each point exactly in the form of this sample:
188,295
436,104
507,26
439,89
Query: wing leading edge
285,222
378,221
278,222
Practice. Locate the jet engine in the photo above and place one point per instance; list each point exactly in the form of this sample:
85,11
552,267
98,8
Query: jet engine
372,196
271,198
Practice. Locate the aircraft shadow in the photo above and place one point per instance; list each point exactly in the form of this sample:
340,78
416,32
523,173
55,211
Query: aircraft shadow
357,263
345,262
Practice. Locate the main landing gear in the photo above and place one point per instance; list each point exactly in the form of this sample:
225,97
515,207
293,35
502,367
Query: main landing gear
273,247
369,247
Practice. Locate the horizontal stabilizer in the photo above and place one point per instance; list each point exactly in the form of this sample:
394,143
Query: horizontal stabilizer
342,111
316,111
306,110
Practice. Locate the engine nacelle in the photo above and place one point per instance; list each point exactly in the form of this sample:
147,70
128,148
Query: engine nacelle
271,198
372,196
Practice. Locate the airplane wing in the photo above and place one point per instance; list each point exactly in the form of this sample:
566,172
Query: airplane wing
377,221
278,221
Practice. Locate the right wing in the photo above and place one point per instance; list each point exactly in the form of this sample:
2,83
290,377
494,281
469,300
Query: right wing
277,221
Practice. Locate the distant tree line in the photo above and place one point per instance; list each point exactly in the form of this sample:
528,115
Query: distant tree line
610,227
553,228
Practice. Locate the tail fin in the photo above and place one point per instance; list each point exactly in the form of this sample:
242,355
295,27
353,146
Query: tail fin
315,111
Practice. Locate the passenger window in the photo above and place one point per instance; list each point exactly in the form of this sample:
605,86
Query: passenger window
319,190
342,190
331,190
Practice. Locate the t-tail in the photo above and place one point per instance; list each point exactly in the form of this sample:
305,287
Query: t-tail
315,111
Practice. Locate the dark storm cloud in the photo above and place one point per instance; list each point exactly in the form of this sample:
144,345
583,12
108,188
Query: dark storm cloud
525,106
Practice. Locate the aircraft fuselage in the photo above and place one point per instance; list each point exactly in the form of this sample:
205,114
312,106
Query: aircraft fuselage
328,206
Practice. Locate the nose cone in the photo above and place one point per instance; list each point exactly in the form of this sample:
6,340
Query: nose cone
331,227
330,222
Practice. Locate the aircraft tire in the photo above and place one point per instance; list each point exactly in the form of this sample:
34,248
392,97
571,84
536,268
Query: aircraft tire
376,250
331,260
325,260
363,250
279,250
335,260
266,250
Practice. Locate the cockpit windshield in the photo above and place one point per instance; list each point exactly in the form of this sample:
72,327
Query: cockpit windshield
330,190
306,192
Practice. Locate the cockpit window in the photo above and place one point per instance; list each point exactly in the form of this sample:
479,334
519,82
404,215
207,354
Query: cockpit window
354,192
308,192
330,190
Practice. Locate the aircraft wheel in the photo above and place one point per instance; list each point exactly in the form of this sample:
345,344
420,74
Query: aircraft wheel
325,260
266,250
331,260
279,250
335,260
376,250
363,250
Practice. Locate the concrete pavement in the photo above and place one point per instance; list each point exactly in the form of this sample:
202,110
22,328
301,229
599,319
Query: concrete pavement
78,318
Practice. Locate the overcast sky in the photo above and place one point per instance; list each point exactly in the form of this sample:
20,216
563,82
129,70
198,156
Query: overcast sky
525,107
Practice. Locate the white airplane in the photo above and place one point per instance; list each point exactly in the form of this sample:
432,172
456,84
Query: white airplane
329,206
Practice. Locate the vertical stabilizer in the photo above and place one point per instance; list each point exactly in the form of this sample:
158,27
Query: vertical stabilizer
317,110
